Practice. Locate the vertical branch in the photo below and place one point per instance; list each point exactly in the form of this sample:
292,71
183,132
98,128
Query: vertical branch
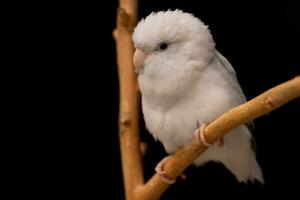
129,98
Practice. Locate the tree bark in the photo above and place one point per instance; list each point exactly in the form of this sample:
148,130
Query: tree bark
129,98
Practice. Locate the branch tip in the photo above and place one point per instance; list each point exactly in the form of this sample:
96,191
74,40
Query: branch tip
123,19
143,147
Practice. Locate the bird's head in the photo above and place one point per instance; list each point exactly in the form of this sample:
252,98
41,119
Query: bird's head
167,40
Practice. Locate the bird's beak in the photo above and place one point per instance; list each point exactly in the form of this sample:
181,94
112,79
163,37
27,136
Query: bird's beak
138,59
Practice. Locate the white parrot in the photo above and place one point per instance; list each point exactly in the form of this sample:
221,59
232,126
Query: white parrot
184,81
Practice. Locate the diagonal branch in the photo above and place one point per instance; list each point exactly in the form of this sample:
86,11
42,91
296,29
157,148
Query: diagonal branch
262,104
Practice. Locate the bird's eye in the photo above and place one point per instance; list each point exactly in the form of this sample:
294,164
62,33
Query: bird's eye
163,46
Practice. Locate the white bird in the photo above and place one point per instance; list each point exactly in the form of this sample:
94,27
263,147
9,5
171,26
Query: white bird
184,80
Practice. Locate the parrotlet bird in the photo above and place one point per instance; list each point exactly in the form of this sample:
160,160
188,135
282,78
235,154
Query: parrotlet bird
185,81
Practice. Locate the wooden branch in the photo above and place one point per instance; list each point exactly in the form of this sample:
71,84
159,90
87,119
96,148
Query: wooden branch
129,98
263,104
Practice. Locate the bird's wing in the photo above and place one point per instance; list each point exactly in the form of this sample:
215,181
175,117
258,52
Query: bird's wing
228,69
233,79
226,64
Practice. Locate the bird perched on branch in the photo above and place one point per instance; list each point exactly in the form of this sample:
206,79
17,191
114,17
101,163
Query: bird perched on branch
186,83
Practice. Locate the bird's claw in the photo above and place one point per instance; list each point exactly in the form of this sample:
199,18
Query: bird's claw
200,134
159,170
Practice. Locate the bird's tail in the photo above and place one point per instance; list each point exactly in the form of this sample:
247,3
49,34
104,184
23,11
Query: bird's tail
255,172
237,155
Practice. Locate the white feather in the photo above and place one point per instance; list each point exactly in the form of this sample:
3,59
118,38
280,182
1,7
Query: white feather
188,82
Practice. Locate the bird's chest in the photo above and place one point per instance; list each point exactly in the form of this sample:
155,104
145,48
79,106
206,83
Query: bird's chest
173,127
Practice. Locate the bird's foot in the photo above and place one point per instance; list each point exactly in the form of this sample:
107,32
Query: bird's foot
200,134
159,170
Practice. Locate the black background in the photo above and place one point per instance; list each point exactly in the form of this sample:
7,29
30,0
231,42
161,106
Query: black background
259,39
76,114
